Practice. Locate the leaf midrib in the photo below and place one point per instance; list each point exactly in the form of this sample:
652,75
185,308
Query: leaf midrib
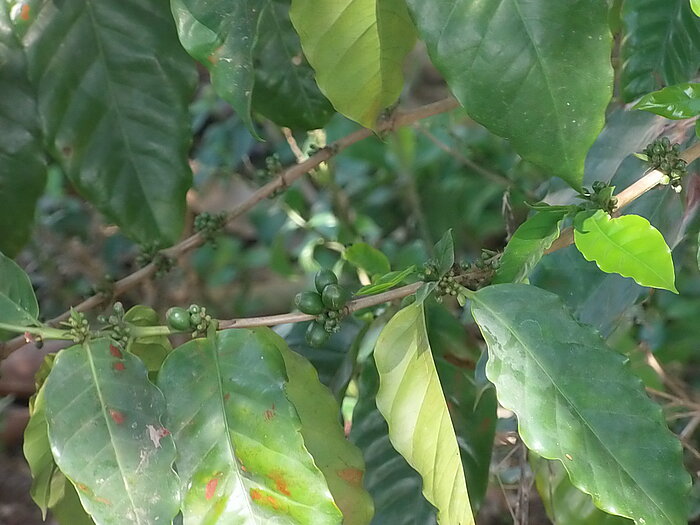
495,314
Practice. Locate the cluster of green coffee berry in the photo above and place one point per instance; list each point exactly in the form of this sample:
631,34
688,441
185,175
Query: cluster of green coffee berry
150,253
194,318
326,303
449,284
115,325
79,328
600,197
663,156
209,225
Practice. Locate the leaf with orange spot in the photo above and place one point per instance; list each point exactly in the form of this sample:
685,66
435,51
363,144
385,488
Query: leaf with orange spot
227,407
98,429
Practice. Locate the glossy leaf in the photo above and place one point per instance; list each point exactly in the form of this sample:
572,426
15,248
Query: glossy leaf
113,86
18,303
387,282
285,89
528,244
695,6
357,48
47,481
675,102
106,436
411,400
69,511
340,461
393,484
22,165
517,65
241,454
660,45
559,378
221,35
152,350
628,245
564,503
362,255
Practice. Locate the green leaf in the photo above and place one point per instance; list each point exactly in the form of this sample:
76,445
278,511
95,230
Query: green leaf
151,350
411,400
357,48
105,432
241,455
393,484
113,87
47,481
366,257
285,89
387,281
222,35
340,461
695,6
22,166
528,244
537,73
675,102
18,303
578,401
660,45
565,504
628,245
445,253
69,511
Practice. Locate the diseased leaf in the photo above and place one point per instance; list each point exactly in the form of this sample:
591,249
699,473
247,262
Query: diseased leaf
559,378
368,258
22,165
69,511
660,45
528,244
675,102
565,504
339,460
411,400
18,303
393,484
285,89
387,282
536,73
628,245
113,87
241,454
357,48
222,35
101,411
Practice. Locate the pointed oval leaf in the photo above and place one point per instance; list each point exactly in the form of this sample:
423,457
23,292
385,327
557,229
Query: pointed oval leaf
528,244
362,255
103,414
537,73
578,401
221,35
340,461
285,88
660,45
628,245
387,281
113,87
675,102
18,303
241,455
357,48
411,400
695,5
22,165
563,502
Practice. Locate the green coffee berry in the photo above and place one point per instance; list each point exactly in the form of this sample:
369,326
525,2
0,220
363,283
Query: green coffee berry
309,303
316,334
178,319
324,278
334,297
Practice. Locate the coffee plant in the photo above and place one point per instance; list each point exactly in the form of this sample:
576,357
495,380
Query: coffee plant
482,278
